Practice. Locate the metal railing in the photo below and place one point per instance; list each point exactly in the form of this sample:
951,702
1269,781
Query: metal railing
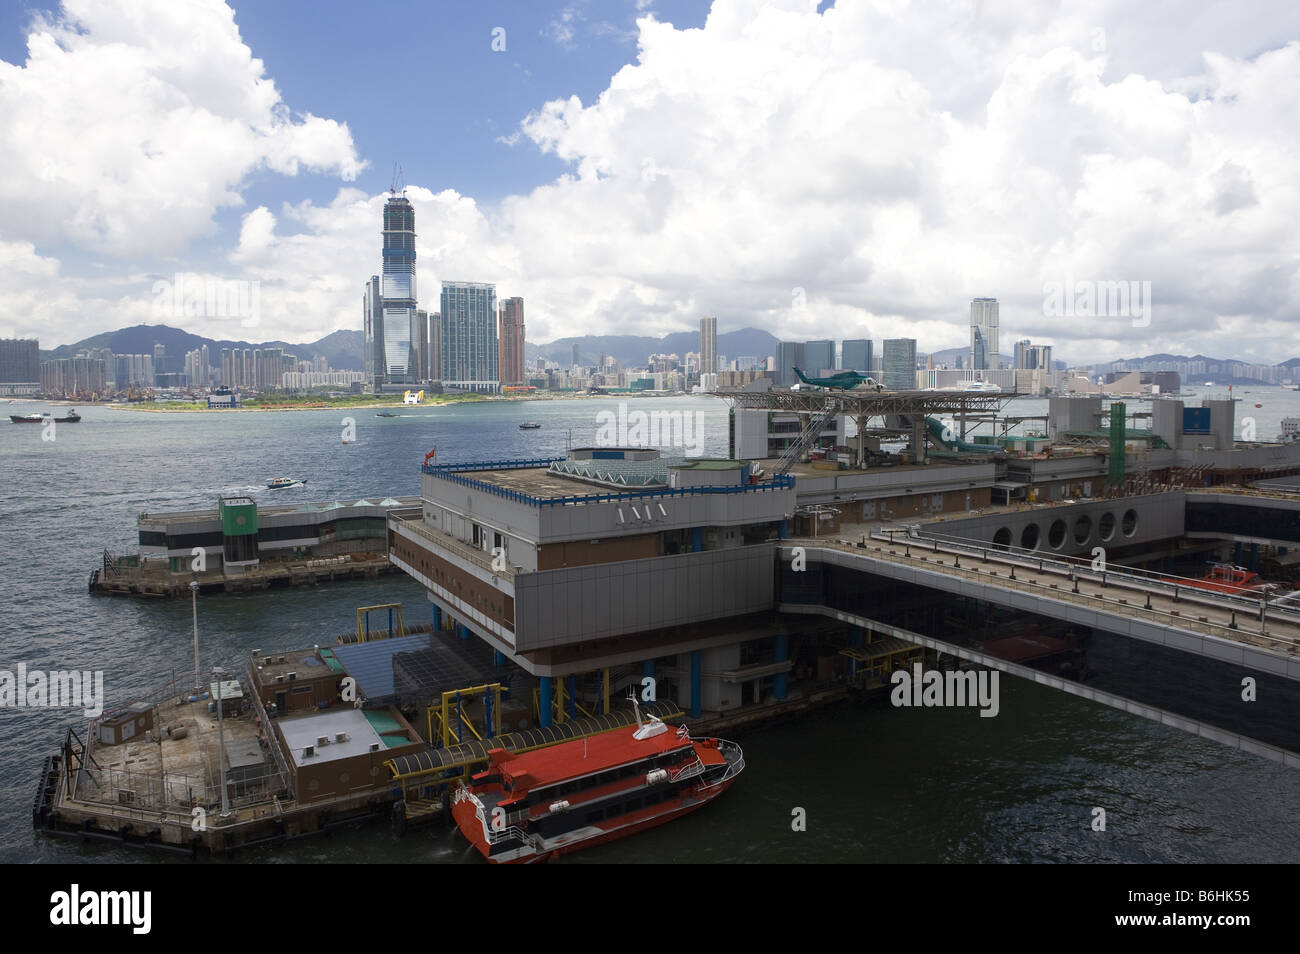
1168,583
1233,630
272,743
777,482
465,551
688,770
734,768
496,835
806,437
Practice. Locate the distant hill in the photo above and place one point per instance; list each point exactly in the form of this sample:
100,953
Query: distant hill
342,349
635,349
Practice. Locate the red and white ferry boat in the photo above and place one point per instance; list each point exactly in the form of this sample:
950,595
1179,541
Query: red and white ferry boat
588,791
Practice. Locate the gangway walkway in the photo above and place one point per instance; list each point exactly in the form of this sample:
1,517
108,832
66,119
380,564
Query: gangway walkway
1123,592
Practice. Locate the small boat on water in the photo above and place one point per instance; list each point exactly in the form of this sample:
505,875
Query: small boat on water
529,426
387,414
72,418
280,483
557,799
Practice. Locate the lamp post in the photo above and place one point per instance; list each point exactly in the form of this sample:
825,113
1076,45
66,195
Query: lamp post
221,745
194,605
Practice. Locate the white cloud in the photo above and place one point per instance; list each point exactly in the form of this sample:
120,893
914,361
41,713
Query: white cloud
893,160
134,121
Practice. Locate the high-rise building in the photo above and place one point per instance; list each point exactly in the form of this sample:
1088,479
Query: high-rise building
857,355
898,362
435,346
422,344
1030,357
469,336
399,292
708,344
978,350
984,327
273,367
575,354
372,321
20,361
512,341
789,355
820,356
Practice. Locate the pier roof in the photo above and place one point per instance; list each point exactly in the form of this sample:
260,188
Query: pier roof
348,733
546,482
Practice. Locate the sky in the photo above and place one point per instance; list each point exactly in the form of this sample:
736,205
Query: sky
855,169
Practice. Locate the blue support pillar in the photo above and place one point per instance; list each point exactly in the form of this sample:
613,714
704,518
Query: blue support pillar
857,636
498,658
1281,551
437,617
390,623
487,715
1254,556
697,539
544,702
1236,555
781,679
783,529
571,686
695,684
464,631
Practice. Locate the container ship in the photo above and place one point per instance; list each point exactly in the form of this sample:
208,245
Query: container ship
559,799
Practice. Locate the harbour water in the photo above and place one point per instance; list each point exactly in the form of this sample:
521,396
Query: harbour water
876,784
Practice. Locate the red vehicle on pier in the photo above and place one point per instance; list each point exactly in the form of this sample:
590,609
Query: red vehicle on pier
1226,578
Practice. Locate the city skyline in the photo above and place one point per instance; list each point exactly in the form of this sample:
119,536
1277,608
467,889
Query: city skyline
646,244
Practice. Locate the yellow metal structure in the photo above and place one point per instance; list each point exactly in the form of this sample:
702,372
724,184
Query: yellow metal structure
363,611
871,666
444,724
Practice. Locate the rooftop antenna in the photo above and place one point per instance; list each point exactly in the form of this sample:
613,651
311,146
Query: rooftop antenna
399,181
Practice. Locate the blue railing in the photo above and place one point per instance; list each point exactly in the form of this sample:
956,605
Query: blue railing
453,472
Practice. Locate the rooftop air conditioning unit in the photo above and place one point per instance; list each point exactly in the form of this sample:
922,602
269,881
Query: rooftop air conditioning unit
308,751
374,746
341,737
293,675
279,677
322,740
257,652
